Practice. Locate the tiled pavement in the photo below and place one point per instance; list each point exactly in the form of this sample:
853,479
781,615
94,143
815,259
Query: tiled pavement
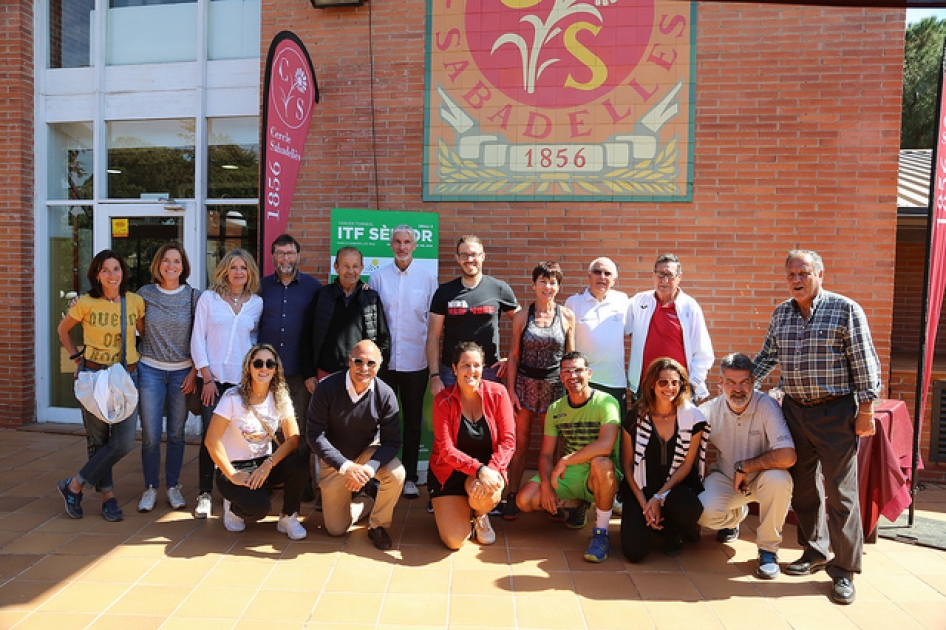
167,570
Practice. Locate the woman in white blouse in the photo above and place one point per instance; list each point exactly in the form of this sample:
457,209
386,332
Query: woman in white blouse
225,328
240,441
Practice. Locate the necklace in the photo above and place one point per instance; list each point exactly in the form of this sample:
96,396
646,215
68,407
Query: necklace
663,416
236,298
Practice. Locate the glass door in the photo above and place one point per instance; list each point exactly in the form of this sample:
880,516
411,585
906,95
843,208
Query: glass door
136,231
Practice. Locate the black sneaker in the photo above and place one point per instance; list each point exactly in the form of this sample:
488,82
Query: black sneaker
111,512
727,534
308,494
380,537
73,500
510,510
430,506
673,546
577,516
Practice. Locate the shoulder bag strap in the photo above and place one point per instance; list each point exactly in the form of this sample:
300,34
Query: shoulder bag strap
124,340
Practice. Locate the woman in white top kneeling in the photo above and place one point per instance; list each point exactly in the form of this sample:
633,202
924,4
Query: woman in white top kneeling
240,440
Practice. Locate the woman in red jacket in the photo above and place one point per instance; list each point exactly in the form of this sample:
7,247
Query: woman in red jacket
474,439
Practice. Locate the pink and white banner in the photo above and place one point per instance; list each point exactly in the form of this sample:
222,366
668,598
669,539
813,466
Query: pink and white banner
290,92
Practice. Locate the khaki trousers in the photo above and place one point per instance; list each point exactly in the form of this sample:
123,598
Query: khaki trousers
725,508
339,511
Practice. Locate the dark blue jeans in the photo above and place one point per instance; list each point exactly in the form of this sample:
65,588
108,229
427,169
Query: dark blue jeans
107,444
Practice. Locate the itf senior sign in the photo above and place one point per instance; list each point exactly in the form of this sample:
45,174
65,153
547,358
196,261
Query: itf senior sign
559,100
289,95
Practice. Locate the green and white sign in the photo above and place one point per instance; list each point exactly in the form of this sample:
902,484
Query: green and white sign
370,232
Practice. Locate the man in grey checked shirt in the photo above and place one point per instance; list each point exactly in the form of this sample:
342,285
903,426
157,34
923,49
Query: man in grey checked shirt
831,378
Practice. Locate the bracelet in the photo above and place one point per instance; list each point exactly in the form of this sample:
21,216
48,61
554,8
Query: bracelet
435,376
269,460
73,357
206,382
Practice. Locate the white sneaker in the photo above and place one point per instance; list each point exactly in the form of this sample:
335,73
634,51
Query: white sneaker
617,508
483,530
231,521
175,497
204,505
290,526
410,490
148,498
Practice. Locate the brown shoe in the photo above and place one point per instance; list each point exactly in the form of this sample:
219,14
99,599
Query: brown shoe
379,536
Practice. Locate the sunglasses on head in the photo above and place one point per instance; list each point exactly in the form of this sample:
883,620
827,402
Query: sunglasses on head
664,382
259,364
360,362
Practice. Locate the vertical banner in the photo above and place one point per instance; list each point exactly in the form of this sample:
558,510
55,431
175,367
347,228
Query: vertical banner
370,232
543,100
290,92
936,256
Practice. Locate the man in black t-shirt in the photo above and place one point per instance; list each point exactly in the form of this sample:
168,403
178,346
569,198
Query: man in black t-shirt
467,309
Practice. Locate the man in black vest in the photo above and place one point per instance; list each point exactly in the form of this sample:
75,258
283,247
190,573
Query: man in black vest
346,312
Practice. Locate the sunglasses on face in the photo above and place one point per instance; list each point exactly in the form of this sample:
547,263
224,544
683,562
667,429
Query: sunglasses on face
259,364
361,362
573,371
664,382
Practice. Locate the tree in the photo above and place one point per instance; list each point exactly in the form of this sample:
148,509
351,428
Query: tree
922,64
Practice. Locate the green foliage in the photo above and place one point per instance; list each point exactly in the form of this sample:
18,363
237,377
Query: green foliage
922,64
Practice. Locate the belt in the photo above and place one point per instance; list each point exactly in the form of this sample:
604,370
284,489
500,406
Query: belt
92,365
819,401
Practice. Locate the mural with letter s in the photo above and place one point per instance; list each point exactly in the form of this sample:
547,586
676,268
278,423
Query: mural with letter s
532,100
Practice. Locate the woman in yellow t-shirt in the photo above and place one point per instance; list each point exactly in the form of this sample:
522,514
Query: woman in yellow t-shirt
99,313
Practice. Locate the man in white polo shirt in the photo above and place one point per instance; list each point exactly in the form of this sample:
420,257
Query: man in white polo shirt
600,315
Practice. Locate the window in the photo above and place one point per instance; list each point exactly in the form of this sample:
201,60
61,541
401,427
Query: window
150,159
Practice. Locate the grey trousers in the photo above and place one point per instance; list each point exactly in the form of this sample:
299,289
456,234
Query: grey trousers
825,444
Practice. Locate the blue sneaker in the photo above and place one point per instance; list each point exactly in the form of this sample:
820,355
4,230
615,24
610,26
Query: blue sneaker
111,512
600,546
73,500
768,568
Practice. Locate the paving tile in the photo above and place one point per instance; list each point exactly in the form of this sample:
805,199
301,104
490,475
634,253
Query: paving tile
686,614
84,597
666,587
215,602
281,605
481,611
486,581
27,594
145,599
559,611
420,581
123,622
357,580
357,608
866,615
747,613
409,609
608,614
14,564
47,620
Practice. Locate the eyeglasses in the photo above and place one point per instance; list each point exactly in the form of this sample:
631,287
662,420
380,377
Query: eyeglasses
602,272
469,256
665,276
361,362
259,364
573,371
665,382
279,254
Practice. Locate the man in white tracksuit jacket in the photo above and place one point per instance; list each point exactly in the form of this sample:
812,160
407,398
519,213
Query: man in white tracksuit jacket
679,330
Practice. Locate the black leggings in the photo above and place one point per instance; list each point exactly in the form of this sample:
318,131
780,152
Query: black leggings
681,514
254,505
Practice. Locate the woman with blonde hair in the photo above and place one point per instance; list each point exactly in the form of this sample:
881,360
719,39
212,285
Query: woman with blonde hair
226,325
240,441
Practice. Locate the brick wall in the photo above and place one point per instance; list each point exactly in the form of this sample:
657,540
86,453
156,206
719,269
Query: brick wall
17,318
797,133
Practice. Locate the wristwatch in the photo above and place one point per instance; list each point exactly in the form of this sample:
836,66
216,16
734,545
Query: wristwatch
661,496
738,467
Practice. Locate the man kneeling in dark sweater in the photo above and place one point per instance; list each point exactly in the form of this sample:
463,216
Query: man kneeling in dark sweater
353,427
